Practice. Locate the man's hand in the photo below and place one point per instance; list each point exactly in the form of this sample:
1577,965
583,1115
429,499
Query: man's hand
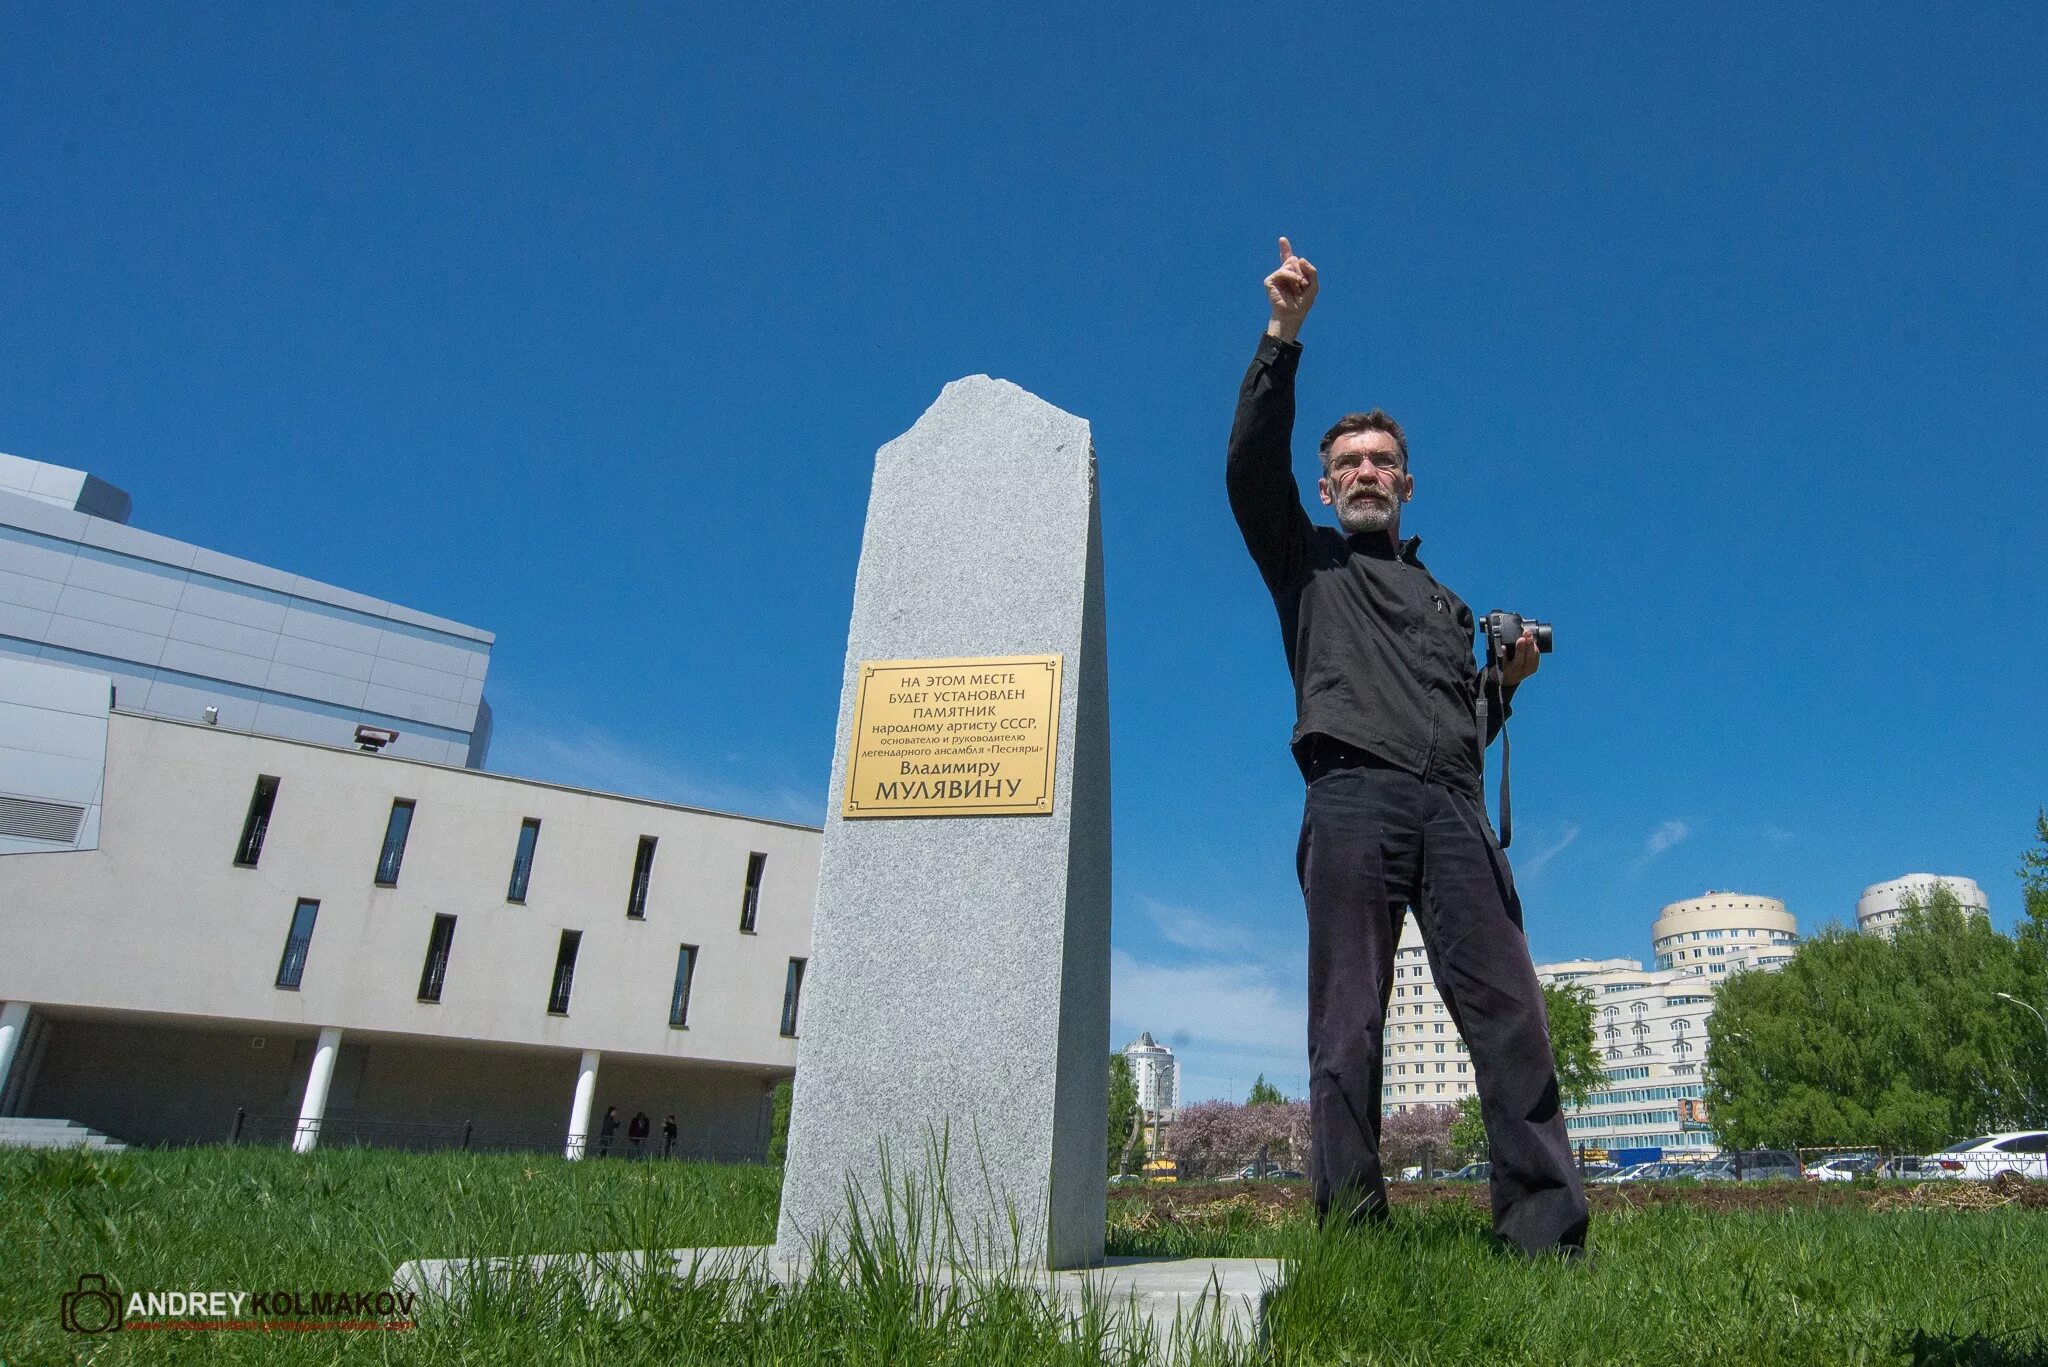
1521,661
1292,290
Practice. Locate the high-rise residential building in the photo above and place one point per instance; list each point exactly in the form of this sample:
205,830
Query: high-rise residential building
1720,932
1882,905
1423,1061
1156,1074
190,633
1650,1028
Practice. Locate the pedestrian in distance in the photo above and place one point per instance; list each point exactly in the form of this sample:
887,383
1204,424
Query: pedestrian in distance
668,1136
636,1133
1387,737
608,1129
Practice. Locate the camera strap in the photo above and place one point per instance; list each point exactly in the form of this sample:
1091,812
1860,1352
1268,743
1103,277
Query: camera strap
1489,687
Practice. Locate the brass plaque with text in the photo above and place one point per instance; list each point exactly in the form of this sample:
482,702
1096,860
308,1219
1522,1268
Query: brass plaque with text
954,737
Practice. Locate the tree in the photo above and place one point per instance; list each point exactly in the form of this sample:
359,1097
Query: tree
1124,1116
1265,1093
1902,1044
1409,1137
1573,1049
1468,1131
1215,1137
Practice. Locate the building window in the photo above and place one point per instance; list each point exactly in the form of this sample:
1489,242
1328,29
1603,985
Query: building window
396,828
565,973
750,900
435,970
293,965
522,860
643,874
679,1004
250,849
791,990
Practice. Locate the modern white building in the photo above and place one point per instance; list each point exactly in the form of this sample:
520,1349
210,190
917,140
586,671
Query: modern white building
1882,905
1722,932
1156,1073
306,939
253,882
187,632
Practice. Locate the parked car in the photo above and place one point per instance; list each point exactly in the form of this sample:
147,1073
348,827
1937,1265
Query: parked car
1287,1175
1904,1168
1670,1170
1627,1174
1471,1172
1843,1167
1755,1165
1987,1156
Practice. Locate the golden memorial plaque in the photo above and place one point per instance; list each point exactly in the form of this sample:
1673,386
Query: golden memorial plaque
954,737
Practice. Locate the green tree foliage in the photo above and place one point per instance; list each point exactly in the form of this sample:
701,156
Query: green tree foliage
1902,1044
1265,1093
1572,1046
1123,1111
1468,1131
778,1121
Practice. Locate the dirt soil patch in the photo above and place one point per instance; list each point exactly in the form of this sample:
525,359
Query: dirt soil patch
1272,1202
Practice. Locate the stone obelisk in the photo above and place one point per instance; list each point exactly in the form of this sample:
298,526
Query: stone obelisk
956,1003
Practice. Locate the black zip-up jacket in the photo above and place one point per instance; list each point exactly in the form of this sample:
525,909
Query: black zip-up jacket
1380,651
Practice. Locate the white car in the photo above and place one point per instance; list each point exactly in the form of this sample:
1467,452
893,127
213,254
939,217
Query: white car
1841,1168
1985,1157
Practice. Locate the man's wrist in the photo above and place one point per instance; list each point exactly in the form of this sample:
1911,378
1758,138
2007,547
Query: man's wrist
1284,328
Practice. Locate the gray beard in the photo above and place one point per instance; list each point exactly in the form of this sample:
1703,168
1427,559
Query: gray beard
1363,516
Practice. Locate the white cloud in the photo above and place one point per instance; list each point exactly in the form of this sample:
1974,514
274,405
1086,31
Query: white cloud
1199,931
1667,834
1535,866
1227,1019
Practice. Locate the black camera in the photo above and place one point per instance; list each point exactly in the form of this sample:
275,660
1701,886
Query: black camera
1504,629
94,1308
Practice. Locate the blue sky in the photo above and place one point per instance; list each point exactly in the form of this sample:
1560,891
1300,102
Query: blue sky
1719,335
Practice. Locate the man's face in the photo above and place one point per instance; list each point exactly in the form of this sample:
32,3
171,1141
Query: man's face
1363,480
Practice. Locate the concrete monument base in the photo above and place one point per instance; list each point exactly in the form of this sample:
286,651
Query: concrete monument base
1199,1295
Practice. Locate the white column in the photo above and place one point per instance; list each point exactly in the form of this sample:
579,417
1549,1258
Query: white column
579,1109
13,1025
314,1108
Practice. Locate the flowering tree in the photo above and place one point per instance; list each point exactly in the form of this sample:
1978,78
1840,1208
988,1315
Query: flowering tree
1212,1138
1407,1137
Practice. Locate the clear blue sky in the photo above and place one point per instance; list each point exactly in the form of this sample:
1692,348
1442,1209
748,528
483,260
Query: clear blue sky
1719,334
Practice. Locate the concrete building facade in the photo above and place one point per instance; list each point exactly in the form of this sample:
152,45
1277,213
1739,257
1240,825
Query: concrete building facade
1651,1030
1723,932
1883,905
335,943
190,633
1424,1061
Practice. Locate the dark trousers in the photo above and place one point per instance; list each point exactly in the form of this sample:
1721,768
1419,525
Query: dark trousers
1375,841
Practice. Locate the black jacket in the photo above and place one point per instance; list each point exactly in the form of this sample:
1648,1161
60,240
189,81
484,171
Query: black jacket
1380,651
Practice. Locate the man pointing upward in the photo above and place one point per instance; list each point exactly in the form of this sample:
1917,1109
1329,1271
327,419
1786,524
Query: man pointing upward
1386,735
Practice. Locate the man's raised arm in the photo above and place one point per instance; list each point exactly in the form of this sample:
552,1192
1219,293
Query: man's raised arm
1260,470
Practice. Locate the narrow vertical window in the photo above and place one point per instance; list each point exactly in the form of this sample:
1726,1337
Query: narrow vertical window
791,990
250,849
292,966
643,874
396,828
750,900
435,971
522,861
679,1004
565,973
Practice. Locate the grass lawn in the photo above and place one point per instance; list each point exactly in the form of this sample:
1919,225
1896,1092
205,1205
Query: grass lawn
1793,1276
